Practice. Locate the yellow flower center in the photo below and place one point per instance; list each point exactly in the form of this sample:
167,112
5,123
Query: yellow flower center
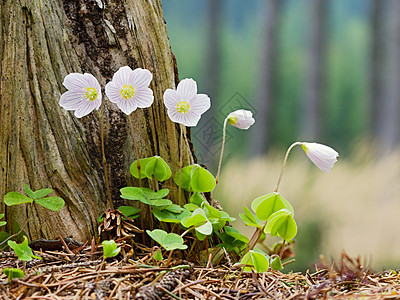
91,93
304,148
183,107
127,91
232,120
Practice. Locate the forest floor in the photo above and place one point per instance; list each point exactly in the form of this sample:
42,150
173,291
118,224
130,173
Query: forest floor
84,275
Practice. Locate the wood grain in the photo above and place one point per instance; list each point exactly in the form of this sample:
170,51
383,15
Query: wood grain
43,145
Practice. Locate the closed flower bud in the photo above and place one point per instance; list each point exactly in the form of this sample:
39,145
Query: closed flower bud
322,156
241,119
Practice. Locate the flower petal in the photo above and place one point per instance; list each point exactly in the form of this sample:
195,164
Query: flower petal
134,85
93,82
144,98
141,78
187,89
122,76
245,124
171,98
191,118
79,96
75,81
113,92
85,109
127,106
192,106
175,116
71,100
200,103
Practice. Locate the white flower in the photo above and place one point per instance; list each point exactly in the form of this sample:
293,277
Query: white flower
83,95
322,156
184,105
130,89
241,119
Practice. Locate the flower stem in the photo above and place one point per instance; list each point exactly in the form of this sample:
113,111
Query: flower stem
142,217
188,230
282,249
131,125
220,161
180,164
104,157
169,257
254,240
284,164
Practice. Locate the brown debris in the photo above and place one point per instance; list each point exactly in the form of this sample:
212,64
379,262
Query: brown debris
61,275
117,225
167,283
54,245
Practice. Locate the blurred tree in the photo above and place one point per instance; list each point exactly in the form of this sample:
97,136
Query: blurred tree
212,78
43,145
385,73
311,126
265,99
376,66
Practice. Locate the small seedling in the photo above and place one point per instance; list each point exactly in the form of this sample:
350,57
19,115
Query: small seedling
110,249
12,273
169,241
256,259
158,255
23,251
276,263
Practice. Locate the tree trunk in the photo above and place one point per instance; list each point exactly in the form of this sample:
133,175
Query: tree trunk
385,103
212,77
265,101
311,121
43,145
376,66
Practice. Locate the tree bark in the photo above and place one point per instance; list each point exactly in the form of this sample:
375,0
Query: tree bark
43,145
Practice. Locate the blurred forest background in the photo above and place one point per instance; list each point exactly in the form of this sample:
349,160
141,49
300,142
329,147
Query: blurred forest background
312,70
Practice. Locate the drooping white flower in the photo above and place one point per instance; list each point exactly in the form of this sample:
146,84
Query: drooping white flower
130,89
241,119
83,95
322,156
184,105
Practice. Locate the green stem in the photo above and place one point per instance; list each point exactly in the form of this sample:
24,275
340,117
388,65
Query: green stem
257,234
254,240
220,160
131,125
284,164
187,231
143,215
104,158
